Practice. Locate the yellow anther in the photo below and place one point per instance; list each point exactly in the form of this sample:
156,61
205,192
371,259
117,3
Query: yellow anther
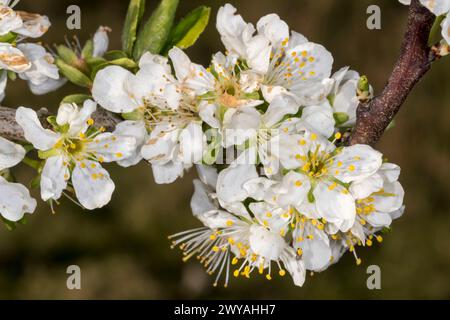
90,121
337,136
299,251
215,249
282,273
298,183
351,167
332,186
229,223
313,137
358,261
119,155
379,238
268,277
234,261
236,273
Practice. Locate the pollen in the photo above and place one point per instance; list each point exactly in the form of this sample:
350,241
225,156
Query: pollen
351,167
298,183
90,121
119,155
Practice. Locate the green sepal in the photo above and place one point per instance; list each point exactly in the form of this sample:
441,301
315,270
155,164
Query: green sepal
67,55
340,118
12,75
133,116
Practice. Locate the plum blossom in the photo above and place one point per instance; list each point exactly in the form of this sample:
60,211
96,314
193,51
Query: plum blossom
74,152
285,63
233,241
24,24
15,199
174,139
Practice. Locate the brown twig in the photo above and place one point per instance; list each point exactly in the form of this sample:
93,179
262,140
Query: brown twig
415,60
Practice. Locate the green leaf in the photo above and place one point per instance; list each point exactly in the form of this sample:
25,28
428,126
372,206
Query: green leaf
155,32
73,75
134,15
123,62
189,29
67,55
76,98
88,49
115,54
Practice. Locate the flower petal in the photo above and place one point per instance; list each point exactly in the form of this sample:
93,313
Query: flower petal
168,172
135,129
54,178
10,154
335,204
230,183
15,201
355,163
109,90
192,143
92,184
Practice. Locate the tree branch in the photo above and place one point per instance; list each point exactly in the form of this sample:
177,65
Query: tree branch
415,60
9,129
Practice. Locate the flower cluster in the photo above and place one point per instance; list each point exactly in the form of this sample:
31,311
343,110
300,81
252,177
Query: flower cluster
265,125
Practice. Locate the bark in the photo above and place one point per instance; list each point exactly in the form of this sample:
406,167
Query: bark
413,63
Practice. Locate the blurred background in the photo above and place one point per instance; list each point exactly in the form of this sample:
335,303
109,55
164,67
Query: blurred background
123,251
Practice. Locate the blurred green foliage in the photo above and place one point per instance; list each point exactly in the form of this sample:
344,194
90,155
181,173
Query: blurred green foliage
123,249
